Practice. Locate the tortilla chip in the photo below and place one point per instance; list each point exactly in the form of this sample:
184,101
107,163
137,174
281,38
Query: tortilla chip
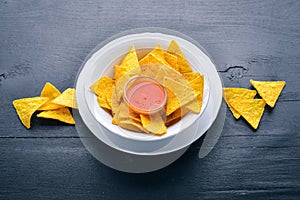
237,93
172,60
172,102
183,65
176,116
198,86
269,90
125,118
103,88
191,75
51,92
185,94
61,114
119,72
102,85
156,56
251,109
27,106
154,123
131,60
67,98
165,71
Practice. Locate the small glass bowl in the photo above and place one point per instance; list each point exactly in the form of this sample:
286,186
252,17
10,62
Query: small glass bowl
145,95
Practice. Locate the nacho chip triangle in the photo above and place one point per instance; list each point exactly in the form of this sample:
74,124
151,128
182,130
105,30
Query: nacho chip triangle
251,109
61,114
154,123
198,86
119,71
176,116
27,106
103,88
126,119
172,60
67,98
131,60
237,93
51,92
269,90
191,75
172,102
185,94
183,65
156,56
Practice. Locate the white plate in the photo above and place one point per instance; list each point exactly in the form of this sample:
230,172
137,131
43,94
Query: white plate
191,127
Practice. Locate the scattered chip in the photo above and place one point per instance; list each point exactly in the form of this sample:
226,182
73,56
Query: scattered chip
61,114
237,93
251,109
67,98
269,90
27,106
51,92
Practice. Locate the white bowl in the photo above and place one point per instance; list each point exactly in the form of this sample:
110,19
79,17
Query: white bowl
101,62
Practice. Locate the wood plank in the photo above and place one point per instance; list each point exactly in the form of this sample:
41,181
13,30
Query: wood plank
61,167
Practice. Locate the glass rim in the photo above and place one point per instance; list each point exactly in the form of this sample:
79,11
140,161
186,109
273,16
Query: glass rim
145,111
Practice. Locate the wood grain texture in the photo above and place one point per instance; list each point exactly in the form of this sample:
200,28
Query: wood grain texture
48,40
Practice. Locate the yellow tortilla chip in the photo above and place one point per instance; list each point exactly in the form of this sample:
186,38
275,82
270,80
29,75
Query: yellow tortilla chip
269,90
172,60
191,75
251,109
172,102
176,116
119,72
131,60
237,93
27,106
103,83
183,65
125,118
51,92
61,114
185,94
156,56
103,88
154,123
165,71
198,86
67,98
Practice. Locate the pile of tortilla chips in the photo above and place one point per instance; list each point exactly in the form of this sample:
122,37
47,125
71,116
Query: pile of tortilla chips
170,67
241,101
51,103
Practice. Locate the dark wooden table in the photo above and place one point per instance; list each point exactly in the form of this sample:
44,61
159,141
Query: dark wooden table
48,40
